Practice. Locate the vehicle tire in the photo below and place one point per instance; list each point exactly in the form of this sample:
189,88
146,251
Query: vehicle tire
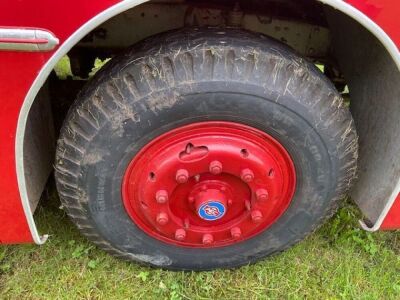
204,148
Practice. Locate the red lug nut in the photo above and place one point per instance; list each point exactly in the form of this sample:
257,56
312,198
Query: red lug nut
256,216
236,232
208,239
180,234
262,194
182,176
215,167
247,175
161,196
162,218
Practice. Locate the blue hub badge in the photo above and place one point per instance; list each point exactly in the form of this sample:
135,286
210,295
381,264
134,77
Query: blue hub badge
212,211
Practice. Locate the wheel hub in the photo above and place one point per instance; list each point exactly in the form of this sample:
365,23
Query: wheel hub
208,184
211,199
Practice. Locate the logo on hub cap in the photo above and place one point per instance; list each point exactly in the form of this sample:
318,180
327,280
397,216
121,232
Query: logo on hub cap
212,211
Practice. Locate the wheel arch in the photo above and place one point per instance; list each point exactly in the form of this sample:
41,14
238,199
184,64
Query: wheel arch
346,9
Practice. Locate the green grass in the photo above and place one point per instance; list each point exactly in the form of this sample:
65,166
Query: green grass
339,261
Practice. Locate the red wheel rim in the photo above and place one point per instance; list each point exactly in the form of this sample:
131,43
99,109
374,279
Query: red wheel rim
208,184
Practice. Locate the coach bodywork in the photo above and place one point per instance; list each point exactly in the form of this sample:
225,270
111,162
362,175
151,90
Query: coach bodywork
54,28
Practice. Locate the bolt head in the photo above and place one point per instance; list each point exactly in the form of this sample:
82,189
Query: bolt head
162,218
256,216
186,223
262,194
236,232
247,175
215,167
182,176
208,239
161,196
191,199
180,234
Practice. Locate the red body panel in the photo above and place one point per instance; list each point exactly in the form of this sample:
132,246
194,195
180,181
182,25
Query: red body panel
18,71
392,220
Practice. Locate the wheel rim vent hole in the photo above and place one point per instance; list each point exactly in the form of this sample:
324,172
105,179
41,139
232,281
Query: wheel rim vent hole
244,153
152,176
271,173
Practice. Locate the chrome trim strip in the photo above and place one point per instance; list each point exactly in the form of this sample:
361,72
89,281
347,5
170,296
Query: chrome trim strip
21,39
104,16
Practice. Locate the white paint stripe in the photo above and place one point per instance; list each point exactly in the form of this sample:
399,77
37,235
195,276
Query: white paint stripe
395,54
33,91
364,20
117,9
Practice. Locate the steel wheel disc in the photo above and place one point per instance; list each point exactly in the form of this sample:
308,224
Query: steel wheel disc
208,184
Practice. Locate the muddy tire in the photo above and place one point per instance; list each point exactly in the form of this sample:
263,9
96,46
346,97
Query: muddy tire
188,77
